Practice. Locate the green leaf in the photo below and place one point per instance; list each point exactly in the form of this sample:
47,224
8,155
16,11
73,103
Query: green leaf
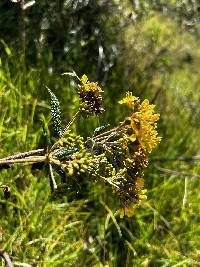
64,153
55,113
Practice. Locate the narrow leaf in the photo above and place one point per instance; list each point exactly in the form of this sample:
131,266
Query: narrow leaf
65,153
71,74
55,113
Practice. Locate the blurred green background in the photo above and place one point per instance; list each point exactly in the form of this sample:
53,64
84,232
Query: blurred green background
151,48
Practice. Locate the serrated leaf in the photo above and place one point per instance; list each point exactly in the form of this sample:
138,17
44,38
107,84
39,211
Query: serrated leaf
55,113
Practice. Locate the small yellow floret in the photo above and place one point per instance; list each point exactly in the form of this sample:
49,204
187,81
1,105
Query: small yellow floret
129,99
89,86
84,79
139,184
143,123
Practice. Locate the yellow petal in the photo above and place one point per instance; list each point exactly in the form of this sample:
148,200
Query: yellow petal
84,79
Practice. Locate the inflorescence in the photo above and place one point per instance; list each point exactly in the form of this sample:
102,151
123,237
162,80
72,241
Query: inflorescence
117,156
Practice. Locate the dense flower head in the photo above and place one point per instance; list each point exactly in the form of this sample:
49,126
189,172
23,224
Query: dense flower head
142,122
86,85
91,99
140,138
131,190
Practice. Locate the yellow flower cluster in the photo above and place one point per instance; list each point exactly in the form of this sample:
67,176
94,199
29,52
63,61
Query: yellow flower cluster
87,86
129,99
89,93
142,122
141,138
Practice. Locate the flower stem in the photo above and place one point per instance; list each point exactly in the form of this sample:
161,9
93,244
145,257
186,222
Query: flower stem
66,128
53,184
71,122
31,159
23,155
107,133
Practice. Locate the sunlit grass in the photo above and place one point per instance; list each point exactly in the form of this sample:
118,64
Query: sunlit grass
38,231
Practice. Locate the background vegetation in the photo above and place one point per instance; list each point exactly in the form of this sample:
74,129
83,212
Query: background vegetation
149,47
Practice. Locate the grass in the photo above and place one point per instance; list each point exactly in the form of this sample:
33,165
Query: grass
83,232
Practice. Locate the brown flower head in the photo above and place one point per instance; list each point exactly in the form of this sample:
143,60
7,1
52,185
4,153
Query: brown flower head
91,99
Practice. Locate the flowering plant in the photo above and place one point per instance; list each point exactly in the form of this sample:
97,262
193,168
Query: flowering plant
116,156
